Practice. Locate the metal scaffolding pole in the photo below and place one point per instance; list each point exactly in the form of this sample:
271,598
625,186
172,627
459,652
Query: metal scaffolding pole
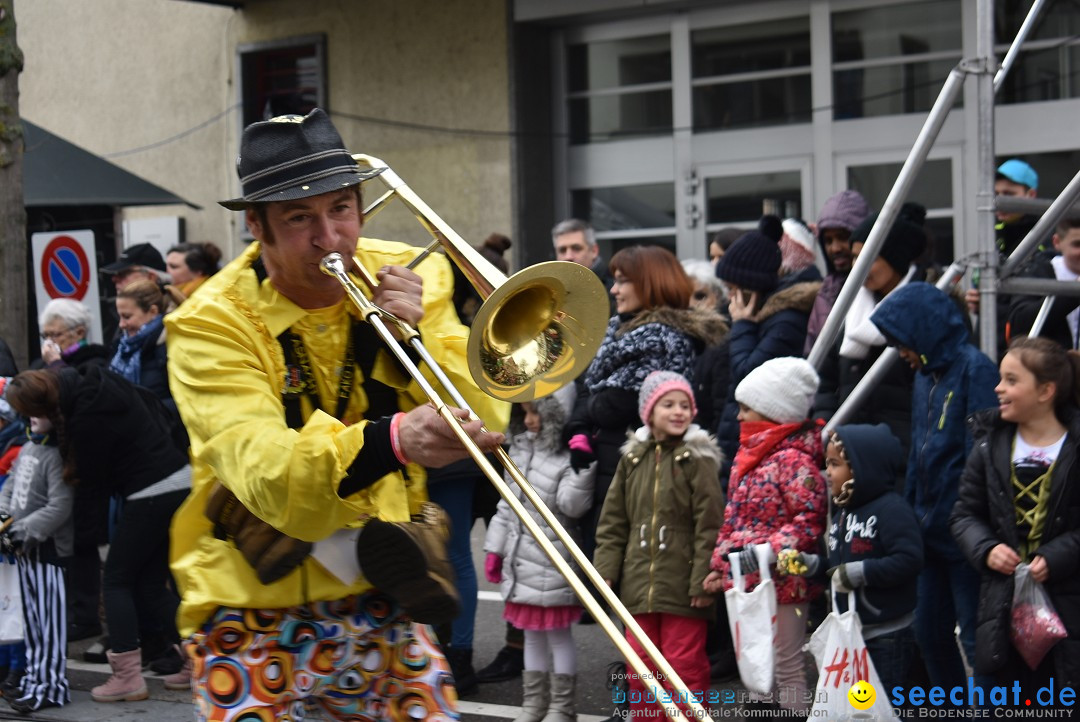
1032,206
1040,318
901,187
1014,49
877,371
1039,287
984,200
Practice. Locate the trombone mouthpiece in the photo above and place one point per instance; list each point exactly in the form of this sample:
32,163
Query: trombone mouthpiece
331,264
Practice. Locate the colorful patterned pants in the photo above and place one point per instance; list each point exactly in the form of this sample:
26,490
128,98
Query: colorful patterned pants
352,659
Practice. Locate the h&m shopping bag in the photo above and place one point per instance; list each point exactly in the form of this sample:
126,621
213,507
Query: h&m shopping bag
843,661
11,612
752,618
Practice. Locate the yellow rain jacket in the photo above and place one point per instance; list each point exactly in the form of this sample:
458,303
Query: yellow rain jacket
226,372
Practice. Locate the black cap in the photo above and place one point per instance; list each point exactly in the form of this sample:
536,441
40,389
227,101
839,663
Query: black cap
905,241
141,254
753,261
291,157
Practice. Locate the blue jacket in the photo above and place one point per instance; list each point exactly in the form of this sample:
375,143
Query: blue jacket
778,329
876,527
956,380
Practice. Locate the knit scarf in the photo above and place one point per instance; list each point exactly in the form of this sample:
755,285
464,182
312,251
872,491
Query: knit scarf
860,333
756,440
46,439
128,360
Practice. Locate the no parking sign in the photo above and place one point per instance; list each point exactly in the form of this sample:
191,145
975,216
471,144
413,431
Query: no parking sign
65,266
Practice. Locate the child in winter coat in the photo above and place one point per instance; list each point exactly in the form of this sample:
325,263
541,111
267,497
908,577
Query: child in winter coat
41,502
1020,502
953,380
875,548
538,599
657,528
12,437
776,496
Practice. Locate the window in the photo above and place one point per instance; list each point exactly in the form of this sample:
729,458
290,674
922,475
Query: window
629,215
282,78
932,189
751,75
743,199
1046,68
619,88
894,59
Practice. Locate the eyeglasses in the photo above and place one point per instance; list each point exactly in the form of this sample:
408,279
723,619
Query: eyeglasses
53,335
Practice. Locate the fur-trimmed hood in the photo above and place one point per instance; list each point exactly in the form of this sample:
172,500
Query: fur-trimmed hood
707,327
797,297
696,439
552,419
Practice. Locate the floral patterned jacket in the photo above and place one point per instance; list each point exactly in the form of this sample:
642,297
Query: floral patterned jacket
777,495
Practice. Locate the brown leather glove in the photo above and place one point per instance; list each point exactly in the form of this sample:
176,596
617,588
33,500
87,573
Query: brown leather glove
271,553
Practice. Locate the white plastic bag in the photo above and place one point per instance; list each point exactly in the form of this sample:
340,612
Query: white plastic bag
843,661
1035,627
11,611
752,618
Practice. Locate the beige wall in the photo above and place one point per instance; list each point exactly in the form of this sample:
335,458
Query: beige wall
418,62
116,75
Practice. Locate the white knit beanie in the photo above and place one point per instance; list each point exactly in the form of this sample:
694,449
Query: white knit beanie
781,389
656,385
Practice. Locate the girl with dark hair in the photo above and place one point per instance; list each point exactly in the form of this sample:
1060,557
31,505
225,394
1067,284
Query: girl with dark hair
40,503
190,264
118,438
654,329
1018,502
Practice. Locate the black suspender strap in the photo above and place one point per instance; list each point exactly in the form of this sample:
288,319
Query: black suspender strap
300,378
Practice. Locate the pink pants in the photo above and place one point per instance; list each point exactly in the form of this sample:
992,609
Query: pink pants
682,642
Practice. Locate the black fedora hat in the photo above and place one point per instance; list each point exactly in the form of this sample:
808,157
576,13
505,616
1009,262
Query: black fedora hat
291,157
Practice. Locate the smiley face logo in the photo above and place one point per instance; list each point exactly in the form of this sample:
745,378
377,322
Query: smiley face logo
862,695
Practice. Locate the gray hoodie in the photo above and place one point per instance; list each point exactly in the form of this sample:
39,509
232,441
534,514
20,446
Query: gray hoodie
36,495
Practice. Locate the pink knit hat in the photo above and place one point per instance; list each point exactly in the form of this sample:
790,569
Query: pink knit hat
656,385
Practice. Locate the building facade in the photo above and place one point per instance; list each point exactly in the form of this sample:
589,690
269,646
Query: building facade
658,120
670,120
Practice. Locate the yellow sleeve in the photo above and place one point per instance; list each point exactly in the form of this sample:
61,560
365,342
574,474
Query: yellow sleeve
225,375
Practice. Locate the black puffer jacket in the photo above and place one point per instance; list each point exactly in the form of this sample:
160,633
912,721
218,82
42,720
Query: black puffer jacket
984,516
634,348
122,437
778,329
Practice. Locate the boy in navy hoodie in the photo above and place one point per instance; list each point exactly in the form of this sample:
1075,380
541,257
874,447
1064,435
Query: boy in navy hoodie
875,548
954,380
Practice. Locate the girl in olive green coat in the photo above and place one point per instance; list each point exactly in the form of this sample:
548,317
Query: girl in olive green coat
658,527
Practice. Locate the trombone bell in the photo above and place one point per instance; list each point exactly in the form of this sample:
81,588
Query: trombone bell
537,330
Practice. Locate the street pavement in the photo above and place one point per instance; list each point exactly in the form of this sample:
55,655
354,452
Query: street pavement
490,703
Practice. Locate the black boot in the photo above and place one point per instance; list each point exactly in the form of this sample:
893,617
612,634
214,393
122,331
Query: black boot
508,664
11,687
460,659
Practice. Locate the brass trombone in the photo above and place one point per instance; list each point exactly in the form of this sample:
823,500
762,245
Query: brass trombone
535,332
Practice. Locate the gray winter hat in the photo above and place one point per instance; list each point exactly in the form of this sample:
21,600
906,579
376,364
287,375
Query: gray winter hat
847,209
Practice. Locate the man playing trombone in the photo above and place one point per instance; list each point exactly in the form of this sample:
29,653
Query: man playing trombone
303,426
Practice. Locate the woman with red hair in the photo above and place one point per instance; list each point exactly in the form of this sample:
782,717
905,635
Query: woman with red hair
653,329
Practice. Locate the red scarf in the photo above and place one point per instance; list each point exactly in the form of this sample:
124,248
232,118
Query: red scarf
758,438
